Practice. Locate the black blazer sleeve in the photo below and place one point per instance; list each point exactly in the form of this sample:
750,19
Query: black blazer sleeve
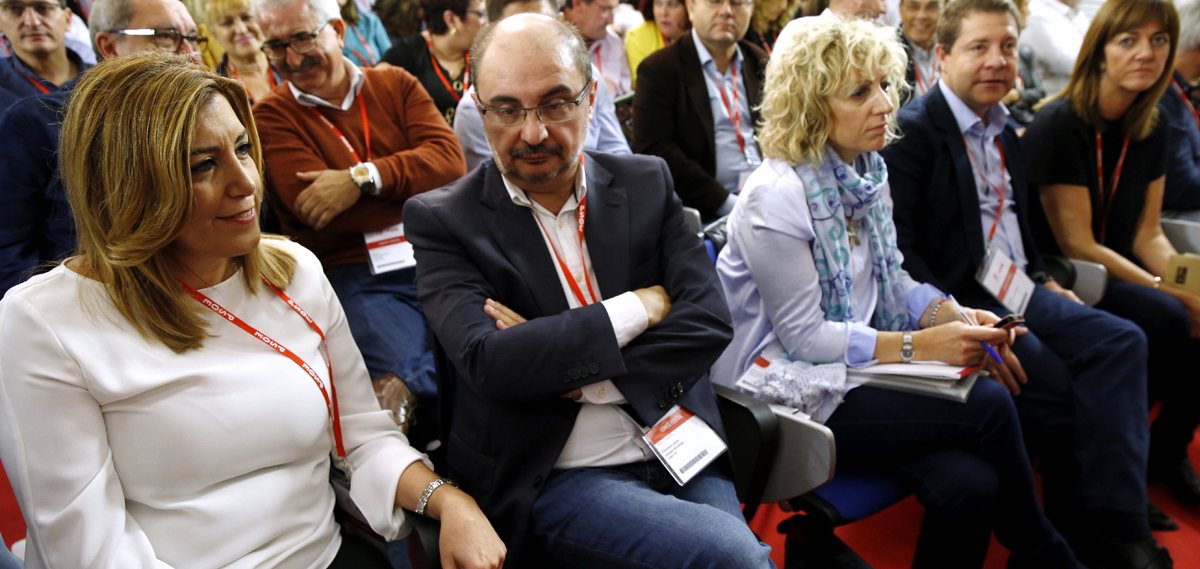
910,172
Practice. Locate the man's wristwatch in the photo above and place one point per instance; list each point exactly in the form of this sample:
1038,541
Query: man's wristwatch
906,350
362,176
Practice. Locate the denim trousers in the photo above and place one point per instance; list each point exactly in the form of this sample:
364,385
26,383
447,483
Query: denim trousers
637,516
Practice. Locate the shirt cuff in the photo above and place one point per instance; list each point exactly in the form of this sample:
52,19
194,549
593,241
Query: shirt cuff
861,348
919,300
601,393
628,317
375,177
727,207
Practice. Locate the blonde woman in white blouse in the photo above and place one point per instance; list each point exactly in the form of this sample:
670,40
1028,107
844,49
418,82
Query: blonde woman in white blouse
163,393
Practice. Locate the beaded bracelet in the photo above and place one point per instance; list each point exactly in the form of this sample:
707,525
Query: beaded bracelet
934,311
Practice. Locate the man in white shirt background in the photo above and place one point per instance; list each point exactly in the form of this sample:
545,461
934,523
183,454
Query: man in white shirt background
1055,30
605,48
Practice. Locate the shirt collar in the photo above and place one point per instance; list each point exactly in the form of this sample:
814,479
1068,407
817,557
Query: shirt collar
997,115
706,58
520,198
357,78
925,55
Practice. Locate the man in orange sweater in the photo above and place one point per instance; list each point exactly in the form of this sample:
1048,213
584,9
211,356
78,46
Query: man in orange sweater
344,147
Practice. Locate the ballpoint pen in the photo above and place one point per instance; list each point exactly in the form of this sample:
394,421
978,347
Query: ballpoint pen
967,319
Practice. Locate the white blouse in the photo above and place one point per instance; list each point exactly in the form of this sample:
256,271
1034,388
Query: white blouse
124,454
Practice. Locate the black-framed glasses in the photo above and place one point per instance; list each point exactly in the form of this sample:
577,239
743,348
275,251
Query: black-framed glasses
549,113
168,39
302,42
16,10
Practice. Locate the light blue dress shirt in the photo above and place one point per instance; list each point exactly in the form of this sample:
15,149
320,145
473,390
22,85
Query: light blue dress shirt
982,143
730,158
604,132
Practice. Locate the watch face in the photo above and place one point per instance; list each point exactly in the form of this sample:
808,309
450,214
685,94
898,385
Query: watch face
360,174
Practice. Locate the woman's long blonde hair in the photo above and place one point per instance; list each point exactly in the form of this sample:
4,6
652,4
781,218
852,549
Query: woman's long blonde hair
1083,90
827,53
124,151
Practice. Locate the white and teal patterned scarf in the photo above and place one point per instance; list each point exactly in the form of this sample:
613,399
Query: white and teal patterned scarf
836,191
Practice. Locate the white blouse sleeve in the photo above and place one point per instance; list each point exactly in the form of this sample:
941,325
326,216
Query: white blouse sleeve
55,450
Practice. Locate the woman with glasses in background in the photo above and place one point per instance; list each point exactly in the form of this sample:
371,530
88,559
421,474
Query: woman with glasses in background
235,28
665,22
366,40
441,62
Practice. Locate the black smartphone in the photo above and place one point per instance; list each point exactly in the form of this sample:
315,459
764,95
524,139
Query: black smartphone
1010,321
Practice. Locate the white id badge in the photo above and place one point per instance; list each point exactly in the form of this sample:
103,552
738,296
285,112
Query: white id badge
752,381
1000,277
389,250
684,443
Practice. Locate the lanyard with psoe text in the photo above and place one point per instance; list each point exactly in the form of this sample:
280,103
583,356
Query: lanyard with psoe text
466,82
1107,203
330,395
582,260
362,107
370,62
734,113
999,188
1182,95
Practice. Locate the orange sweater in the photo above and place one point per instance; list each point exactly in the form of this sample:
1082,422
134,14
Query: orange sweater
411,144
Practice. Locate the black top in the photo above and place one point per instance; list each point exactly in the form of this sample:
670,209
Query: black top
766,41
412,54
1062,150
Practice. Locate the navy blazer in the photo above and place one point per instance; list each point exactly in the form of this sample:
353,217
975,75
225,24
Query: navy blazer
938,225
1182,191
510,421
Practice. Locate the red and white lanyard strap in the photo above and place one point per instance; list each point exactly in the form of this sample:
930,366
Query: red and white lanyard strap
13,60
921,85
238,76
1182,95
362,107
735,112
330,395
583,301
999,188
1107,203
774,40
457,94
369,62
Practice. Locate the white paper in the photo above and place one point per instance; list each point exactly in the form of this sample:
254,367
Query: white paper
389,250
926,370
752,381
1000,277
684,443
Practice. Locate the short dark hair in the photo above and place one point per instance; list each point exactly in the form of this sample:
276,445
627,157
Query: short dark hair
950,23
434,10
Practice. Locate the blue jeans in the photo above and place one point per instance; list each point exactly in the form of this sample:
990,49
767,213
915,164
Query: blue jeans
636,516
7,559
966,464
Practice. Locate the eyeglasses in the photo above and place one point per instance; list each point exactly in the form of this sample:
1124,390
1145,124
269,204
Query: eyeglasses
302,42
549,113
735,4
480,13
168,39
16,10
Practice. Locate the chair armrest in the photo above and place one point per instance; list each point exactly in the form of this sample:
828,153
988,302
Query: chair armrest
428,532
805,458
691,216
1184,235
752,432
1091,279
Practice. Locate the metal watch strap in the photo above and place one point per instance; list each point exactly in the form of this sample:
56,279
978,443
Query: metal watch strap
906,351
429,492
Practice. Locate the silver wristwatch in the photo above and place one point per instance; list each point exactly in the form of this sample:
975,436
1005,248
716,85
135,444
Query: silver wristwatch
906,350
362,176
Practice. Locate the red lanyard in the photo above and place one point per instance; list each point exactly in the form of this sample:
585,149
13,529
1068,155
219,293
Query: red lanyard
13,61
921,86
1107,204
1183,96
600,61
734,113
582,260
238,76
366,129
366,46
466,73
999,189
774,39
330,395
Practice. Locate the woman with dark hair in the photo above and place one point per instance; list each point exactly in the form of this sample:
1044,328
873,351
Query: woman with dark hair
768,19
441,62
1098,156
665,22
366,40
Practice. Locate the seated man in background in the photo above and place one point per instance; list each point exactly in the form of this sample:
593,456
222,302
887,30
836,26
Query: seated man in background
696,106
33,33
605,48
344,148
1177,108
604,134
918,24
36,225
962,211
577,308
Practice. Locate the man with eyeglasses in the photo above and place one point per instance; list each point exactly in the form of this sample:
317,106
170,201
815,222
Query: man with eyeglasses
39,61
696,105
605,48
344,147
579,309
36,225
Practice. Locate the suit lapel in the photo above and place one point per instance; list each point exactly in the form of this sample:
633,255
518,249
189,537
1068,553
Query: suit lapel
751,68
694,82
943,120
607,230
519,237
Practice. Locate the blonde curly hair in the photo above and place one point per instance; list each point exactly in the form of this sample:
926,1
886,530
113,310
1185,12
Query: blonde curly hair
825,54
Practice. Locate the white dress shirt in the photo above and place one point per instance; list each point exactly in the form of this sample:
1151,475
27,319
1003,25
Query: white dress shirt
603,435
1055,32
608,54
126,455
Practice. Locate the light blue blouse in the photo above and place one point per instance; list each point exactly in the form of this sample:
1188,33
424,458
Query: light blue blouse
371,29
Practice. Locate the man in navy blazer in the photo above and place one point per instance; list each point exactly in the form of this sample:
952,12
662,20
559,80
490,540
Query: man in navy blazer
573,300
1084,403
